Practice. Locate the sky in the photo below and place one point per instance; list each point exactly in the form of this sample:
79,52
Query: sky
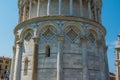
9,19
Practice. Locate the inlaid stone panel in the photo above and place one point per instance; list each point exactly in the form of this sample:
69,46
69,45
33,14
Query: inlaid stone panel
26,77
47,74
47,62
72,60
94,75
93,62
72,48
72,74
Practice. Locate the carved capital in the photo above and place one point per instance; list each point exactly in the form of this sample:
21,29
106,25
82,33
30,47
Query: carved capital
83,38
36,39
60,38
19,43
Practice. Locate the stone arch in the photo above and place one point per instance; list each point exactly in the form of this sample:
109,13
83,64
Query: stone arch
72,31
94,31
91,31
25,32
92,35
47,30
77,25
43,25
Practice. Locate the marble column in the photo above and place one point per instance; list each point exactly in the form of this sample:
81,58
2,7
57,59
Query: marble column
81,8
89,10
84,56
12,65
59,58
24,12
30,6
35,58
38,8
20,14
99,15
95,9
18,60
60,5
48,7
71,7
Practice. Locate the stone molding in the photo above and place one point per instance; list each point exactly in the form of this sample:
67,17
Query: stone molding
47,18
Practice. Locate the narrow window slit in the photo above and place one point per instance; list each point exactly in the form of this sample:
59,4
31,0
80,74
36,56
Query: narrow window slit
47,51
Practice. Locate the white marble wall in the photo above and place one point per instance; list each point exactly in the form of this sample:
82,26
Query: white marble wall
76,8
75,57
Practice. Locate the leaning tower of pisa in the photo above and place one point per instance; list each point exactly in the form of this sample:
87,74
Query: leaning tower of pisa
59,40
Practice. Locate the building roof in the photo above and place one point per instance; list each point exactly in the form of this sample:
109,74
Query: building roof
112,75
2,57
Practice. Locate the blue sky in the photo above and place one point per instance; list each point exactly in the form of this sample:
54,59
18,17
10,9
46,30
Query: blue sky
9,19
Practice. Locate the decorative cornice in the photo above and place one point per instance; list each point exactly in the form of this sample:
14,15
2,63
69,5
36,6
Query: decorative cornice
77,19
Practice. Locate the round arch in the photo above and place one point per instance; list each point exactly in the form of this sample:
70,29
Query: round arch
74,24
94,32
24,31
46,24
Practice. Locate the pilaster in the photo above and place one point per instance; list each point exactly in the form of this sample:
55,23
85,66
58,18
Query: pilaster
60,5
38,8
89,9
59,58
35,58
24,12
18,58
71,7
30,6
12,65
81,8
84,56
48,7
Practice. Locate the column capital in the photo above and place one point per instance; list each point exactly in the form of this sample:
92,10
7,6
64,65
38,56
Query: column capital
83,38
60,38
36,39
19,42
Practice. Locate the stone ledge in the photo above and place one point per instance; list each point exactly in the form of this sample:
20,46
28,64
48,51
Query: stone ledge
67,18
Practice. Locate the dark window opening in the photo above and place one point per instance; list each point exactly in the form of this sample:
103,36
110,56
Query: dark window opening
6,67
48,51
1,61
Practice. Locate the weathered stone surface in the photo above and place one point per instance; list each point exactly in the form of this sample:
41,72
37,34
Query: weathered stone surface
62,45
